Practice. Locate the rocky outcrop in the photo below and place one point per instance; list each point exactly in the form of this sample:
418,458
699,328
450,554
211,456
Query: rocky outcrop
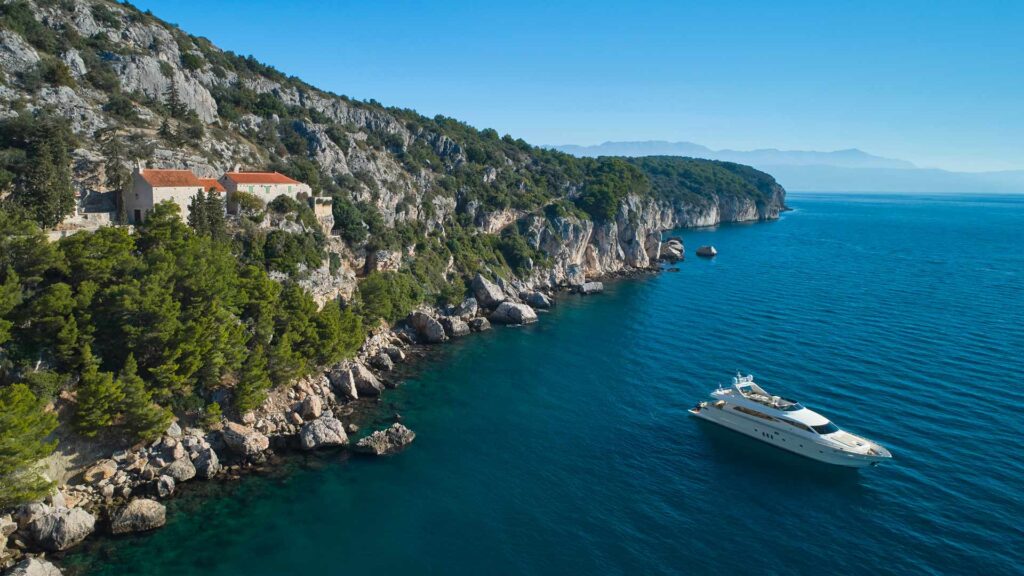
181,470
427,327
365,382
590,288
140,515
244,441
207,463
513,313
488,294
672,250
480,324
707,252
389,441
454,326
324,432
538,300
34,567
58,529
343,383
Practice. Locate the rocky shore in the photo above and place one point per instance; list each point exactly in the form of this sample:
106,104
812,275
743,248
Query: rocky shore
125,492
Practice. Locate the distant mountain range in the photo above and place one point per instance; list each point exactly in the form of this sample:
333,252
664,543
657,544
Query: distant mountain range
850,170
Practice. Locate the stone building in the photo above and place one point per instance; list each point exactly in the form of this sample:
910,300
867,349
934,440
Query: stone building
264,185
152,186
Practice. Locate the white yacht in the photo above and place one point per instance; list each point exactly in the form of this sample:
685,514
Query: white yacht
746,407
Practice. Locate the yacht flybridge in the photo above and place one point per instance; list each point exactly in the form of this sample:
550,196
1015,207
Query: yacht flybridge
747,408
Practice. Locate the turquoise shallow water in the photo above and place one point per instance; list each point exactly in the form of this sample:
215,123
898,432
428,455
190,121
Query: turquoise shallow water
565,447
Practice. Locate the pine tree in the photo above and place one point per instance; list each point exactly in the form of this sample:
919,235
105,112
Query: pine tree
143,418
117,176
10,297
24,427
197,214
174,106
253,382
215,210
285,363
99,397
44,188
212,415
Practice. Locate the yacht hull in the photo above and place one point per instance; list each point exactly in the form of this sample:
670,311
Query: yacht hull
784,439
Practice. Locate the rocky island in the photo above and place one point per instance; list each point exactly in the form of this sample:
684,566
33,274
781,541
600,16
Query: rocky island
307,244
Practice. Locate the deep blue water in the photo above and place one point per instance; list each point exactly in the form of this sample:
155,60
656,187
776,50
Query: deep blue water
565,447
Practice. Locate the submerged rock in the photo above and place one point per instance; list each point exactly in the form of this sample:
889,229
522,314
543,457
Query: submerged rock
34,567
139,515
388,441
61,528
512,313
243,440
487,293
427,327
322,433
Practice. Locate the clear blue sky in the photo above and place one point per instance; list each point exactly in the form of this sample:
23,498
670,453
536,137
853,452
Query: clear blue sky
938,83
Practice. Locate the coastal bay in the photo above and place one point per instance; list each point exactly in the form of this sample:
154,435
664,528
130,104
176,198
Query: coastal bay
564,446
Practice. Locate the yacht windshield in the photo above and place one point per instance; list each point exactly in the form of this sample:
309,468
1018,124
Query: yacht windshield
791,406
826,428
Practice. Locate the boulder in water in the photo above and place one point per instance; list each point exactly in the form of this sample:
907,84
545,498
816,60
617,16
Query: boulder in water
365,382
538,300
707,252
61,528
513,313
427,327
388,441
34,567
479,324
139,515
454,326
323,432
590,288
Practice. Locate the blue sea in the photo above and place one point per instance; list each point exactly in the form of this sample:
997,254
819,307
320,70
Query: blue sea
565,447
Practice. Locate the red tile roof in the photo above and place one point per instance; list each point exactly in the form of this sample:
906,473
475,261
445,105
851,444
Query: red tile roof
211,185
165,178
259,178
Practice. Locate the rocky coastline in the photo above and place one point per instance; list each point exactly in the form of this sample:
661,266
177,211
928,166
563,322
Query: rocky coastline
124,492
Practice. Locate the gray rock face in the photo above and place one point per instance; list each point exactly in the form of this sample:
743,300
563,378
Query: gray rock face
512,313
165,486
395,353
672,250
343,383
322,433
479,324
707,252
181,470
207,464
537,300
61,528
388,441
488,294
467,309
454,326
427,327
34,567
139,515
591,288
311,407
243,440
381,361
366,383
